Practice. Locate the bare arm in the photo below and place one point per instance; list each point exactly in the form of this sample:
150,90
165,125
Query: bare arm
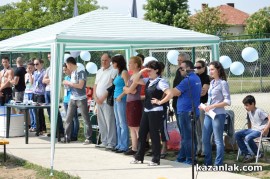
7,83
31,79
205,88
46,79
137,79
76,85
125,77
15,80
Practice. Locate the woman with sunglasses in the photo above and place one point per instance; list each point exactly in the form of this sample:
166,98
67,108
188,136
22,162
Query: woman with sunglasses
153,114
218,98
38,93
201,71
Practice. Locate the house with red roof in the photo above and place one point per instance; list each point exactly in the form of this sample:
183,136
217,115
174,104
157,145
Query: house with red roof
235,18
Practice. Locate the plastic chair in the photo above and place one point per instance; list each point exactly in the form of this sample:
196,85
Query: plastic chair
260,140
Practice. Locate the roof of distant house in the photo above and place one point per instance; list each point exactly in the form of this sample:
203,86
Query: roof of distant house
232,15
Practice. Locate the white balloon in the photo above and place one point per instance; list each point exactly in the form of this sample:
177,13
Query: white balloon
85,55
148,59
172,56
91,67
250,54
80,67
225,61
75,54
237,68
66,56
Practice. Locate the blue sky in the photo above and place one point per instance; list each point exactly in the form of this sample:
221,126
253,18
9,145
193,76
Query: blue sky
123,6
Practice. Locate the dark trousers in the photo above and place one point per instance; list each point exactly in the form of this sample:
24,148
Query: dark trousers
150,122
40,99
163,127
6,96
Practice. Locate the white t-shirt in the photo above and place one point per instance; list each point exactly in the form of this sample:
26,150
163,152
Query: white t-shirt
258,119
104,80
28,86
47,73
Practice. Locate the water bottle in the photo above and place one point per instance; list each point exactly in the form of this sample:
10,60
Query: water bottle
92,106
25,99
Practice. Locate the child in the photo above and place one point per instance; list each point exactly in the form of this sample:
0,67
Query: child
258,122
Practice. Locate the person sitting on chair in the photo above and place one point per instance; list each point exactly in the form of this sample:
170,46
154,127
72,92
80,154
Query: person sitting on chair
258,122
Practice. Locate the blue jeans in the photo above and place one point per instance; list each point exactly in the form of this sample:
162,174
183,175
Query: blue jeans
246,137
75,123
184,154
47,95
121,125
216,126
32,112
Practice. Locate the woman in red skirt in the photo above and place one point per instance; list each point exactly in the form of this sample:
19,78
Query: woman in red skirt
134,104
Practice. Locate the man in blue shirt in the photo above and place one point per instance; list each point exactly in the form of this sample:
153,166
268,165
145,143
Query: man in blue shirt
188,91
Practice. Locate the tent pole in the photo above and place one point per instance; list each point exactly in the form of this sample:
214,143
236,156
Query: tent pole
57,58
129,52
193,55
215,52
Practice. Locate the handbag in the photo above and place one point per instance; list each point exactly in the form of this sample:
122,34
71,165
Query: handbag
110,98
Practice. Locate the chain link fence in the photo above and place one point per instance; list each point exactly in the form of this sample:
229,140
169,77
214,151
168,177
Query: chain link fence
255,80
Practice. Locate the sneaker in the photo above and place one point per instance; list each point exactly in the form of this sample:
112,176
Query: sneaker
32,130
135,161
101,145
248,158
154,164
65,140
87,142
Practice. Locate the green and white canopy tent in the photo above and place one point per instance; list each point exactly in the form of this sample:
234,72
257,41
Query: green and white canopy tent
101,30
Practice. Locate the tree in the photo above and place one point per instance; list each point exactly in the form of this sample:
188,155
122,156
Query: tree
259,22
208,21
169,12
33,14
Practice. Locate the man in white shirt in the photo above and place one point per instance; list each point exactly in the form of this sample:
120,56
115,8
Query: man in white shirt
105,115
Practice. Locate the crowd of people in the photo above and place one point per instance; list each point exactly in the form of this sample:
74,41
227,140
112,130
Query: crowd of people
139,110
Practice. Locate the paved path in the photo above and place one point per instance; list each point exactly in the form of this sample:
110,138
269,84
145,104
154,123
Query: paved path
91,163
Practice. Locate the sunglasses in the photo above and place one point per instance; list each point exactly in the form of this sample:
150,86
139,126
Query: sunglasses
36,64
182,69
199,67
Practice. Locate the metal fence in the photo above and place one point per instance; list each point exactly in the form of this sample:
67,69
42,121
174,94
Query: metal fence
255,79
